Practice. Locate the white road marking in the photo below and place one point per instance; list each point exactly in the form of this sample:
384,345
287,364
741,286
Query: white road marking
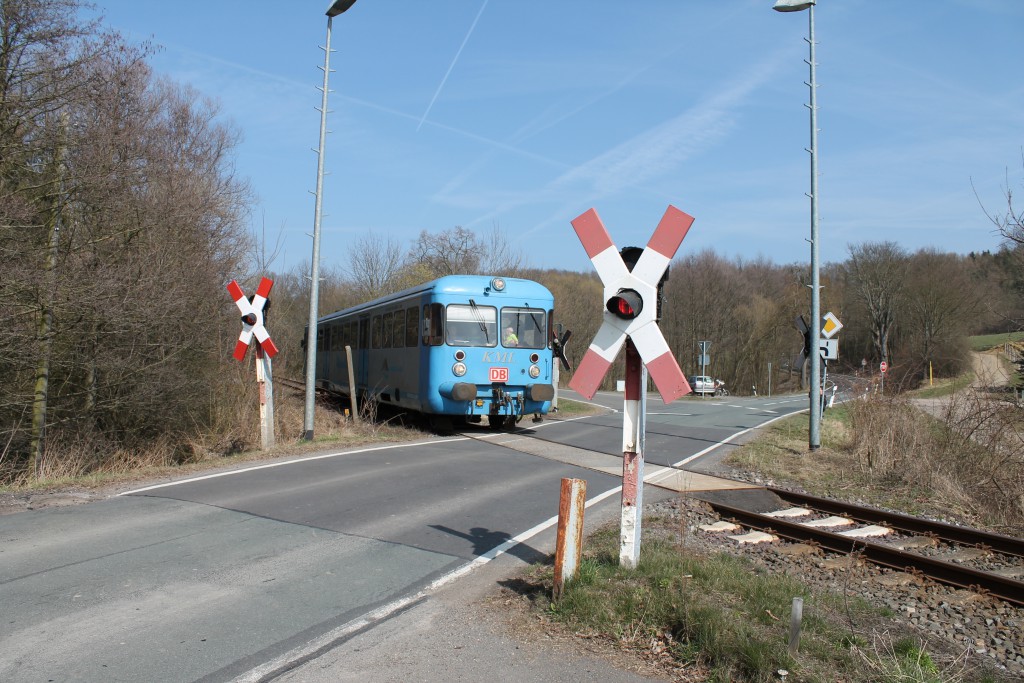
370,618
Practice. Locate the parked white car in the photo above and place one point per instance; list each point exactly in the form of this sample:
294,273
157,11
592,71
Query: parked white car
702,384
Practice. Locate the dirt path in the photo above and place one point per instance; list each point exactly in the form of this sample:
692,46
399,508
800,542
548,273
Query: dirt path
992,374
990,370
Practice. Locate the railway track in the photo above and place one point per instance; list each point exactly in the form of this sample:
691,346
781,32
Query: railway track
984,562
976,560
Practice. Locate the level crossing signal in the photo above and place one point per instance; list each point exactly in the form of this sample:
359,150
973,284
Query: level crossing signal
253,318
632,282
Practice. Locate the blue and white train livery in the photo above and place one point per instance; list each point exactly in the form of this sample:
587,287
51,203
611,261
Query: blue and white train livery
462,346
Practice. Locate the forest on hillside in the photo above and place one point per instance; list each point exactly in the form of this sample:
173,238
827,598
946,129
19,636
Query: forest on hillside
913,310
121,220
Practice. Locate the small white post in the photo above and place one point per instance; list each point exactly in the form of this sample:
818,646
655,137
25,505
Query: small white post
795,619
569,542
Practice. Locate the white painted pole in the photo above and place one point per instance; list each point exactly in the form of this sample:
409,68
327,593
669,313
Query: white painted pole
632,460
265,380
554,382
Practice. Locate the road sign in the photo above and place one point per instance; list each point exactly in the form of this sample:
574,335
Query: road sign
883,366
630,304
829,349
704,345
830,325
252,318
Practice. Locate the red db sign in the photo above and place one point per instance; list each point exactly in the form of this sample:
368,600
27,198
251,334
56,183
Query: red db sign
884,366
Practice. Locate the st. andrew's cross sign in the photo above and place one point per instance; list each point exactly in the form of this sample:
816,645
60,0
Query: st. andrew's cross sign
252,318
631,319
621,286
253,324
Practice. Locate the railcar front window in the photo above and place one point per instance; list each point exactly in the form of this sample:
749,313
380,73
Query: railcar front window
524,328
472,325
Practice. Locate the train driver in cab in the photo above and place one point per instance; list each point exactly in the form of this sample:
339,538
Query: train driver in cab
510,338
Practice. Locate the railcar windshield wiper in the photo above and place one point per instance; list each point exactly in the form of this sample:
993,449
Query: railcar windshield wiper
480,320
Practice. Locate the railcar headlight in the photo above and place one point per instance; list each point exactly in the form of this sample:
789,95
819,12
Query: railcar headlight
534,371
459,369
498,284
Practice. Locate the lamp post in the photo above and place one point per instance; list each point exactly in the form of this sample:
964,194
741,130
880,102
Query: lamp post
814,441
335,8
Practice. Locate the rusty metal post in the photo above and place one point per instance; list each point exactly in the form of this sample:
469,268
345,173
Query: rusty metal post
632,460
569,542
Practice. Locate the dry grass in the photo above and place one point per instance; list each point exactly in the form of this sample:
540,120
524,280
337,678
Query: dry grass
90,460
968,463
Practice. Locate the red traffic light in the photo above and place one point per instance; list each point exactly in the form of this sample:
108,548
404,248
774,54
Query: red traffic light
626,304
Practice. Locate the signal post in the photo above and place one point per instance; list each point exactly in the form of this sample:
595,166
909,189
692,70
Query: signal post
633,279
253,317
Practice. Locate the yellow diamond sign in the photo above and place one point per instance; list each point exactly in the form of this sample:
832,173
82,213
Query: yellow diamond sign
830,325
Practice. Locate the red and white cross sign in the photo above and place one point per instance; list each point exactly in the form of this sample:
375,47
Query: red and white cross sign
643,329
252,318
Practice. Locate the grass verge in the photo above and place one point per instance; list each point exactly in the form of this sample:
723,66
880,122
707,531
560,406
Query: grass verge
984,342
712,616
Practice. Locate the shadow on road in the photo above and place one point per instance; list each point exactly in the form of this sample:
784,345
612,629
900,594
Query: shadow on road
484,540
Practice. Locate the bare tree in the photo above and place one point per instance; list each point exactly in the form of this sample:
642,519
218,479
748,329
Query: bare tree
942,302
500,257
1010,223
876,273
452,252
120,220
374,266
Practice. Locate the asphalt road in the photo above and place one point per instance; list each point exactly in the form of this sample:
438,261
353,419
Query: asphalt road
232,575
688,433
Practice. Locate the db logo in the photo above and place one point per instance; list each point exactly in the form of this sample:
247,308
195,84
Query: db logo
499,375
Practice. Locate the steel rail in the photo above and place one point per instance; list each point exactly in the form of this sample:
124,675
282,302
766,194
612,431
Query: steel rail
895,520
1010,590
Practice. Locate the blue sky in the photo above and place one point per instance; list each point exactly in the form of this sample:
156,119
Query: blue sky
526,113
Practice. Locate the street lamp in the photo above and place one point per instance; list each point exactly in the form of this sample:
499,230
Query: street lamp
335,8
815,354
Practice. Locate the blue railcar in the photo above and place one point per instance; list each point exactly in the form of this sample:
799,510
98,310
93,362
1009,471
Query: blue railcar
460,347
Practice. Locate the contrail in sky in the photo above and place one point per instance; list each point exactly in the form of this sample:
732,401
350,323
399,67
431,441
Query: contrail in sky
452,65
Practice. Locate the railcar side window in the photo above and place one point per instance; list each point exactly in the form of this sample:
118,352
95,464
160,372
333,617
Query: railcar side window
364,333
320,339
433,325
375,332
471,325
412,325
350,334
336,338
398,341
524,328
389,327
